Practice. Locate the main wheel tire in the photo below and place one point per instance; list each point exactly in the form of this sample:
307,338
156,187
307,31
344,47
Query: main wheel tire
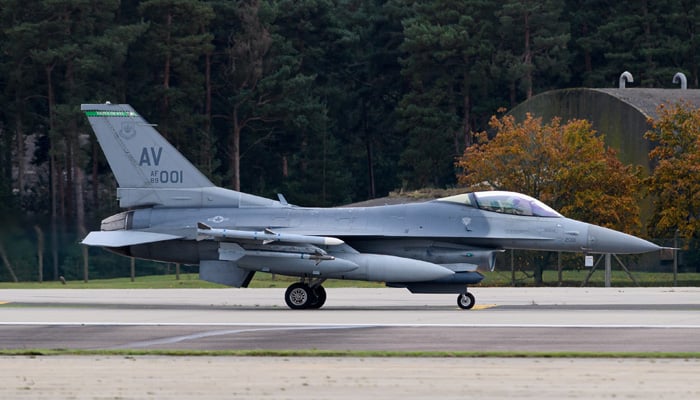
319,297
298,296
466,301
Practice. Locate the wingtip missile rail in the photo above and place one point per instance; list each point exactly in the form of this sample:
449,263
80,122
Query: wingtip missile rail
205,231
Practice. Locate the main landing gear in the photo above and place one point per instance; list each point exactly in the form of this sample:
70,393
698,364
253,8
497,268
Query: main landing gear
466,300
311,295
303,295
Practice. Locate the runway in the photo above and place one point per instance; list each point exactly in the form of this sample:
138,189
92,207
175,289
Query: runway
509,319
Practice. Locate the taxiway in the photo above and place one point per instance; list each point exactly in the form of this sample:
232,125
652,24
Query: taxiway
509,319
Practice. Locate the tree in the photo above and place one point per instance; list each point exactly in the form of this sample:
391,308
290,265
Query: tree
567,166
284,108
62,53
243,42
585,18
640,37
170,73
533,39
446,63
264,104
359,64
675,182
684,23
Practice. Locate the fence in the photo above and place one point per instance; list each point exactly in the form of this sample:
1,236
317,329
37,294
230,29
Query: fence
31,254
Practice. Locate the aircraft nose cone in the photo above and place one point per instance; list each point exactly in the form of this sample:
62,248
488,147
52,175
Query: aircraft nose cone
604,240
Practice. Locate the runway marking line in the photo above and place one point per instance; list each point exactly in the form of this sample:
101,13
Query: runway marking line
302,325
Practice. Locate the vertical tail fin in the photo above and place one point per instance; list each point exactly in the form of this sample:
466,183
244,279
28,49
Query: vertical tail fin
149,170
138,155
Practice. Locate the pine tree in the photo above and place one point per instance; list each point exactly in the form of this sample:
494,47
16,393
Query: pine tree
446,60
169,81
533,40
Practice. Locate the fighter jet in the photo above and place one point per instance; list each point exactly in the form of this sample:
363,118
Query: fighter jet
175,214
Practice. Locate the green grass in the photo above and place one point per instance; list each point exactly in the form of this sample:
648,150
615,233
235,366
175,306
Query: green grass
576,277
141,282
498,278
261,280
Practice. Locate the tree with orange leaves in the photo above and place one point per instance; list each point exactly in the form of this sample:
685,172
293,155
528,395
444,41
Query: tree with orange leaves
567,166
675,181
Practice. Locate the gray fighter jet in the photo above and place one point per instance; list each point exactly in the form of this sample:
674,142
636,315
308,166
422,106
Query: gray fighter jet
175,214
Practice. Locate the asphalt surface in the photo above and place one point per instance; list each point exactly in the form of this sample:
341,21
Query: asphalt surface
508,319
541,320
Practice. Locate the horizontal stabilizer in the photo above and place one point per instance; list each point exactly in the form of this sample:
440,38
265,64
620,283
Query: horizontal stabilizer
124,238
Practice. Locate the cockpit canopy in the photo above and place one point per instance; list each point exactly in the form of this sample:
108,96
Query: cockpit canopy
504,203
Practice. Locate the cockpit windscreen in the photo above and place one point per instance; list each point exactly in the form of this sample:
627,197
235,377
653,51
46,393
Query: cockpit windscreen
504,203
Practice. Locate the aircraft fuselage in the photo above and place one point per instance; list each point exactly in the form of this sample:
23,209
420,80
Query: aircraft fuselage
178,215
401,230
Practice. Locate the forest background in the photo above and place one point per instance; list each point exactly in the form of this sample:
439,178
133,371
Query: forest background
326,101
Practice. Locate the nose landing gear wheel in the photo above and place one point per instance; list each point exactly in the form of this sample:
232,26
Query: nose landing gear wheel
466,301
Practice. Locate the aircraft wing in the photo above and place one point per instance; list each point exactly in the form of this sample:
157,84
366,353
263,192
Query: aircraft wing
125,238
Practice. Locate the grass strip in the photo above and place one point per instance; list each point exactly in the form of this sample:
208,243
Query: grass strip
498,278
346,353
